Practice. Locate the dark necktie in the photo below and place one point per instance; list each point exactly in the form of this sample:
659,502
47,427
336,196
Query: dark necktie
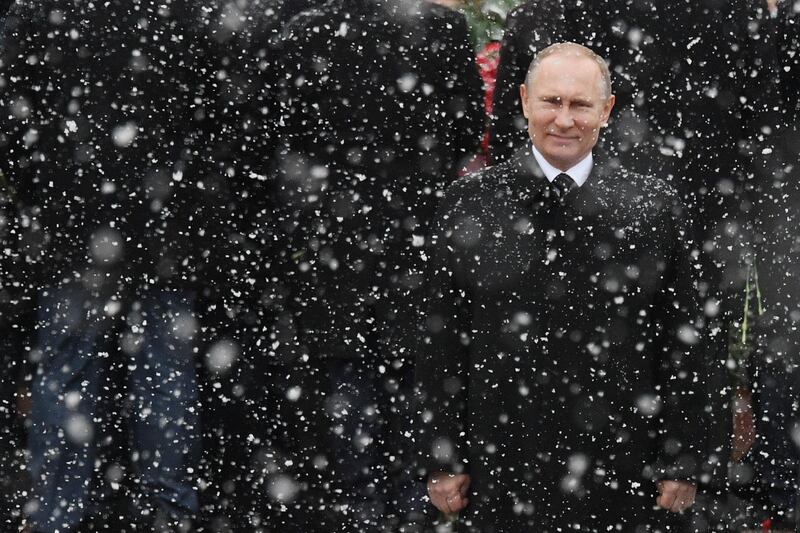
560,187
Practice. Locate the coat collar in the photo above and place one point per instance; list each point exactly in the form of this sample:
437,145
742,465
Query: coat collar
527,177
526,180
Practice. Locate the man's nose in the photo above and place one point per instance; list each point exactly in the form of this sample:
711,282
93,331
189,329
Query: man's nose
564,118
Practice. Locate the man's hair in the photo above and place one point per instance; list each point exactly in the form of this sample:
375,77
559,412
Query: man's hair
574,49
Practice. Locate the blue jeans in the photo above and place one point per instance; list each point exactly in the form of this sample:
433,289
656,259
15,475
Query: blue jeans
78,337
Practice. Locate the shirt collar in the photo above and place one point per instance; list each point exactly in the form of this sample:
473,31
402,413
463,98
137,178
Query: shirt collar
579,173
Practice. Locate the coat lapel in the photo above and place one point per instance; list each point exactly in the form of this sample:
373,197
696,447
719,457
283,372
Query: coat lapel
526,181
596,194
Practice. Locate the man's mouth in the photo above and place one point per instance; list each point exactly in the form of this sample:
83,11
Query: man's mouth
564,138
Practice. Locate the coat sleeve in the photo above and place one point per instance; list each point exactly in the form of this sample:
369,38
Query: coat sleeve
442,356
681,362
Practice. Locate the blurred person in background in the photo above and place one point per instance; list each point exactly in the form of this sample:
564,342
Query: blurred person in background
785,23
14,317
768,475
382,107
126,224
259,449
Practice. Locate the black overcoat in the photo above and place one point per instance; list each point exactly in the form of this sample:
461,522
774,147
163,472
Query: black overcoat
382,101
561,367
109,127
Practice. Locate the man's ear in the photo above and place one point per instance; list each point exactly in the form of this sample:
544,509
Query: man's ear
523,97
609,105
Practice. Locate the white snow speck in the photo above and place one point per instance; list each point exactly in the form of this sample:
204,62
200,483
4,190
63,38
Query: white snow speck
124,134
78,429
106,246
221,356
282,488
294,393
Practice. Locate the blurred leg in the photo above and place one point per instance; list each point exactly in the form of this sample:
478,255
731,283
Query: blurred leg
355,438
397,312
283,476
775,455
69,342
165,410
407,494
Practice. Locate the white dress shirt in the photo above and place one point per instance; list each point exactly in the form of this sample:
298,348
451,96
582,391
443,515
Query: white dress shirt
579,173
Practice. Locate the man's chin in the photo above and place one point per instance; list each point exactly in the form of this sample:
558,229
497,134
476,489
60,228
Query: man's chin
561,159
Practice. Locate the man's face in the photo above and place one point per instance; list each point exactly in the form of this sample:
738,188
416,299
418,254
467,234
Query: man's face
565,105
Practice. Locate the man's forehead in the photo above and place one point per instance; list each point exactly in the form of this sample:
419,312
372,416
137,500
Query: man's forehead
567,68
569,63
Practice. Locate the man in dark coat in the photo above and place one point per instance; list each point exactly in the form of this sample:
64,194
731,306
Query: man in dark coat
383,103
126,224
696,94
561,386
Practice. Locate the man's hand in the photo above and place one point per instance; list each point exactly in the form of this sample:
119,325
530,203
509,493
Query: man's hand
448,492
675,496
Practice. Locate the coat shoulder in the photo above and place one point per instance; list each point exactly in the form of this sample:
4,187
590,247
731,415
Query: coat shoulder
650,186
638,196
658,192
479,185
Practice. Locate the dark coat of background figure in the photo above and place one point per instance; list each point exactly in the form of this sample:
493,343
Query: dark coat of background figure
12,309
261,445
551,333
115,144
786,27
696,93
84,161
13,319
382,104
770,477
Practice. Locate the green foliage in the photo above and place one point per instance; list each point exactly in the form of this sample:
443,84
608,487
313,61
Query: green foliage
486,18
743,340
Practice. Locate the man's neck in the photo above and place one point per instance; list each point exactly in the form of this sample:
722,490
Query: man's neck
579,172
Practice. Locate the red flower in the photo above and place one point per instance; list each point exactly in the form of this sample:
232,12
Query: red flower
488,59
